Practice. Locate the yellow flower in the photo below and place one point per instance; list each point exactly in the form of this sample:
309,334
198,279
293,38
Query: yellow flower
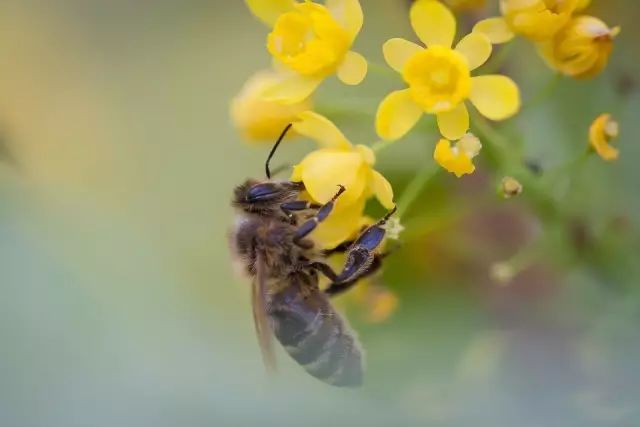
601,132
439,77
338,162
310,42
581,49
458,159
464,5
536,20
259,119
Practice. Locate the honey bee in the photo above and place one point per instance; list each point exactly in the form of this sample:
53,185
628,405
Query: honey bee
270,240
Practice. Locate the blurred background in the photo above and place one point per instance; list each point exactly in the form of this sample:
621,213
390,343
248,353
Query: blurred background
118,304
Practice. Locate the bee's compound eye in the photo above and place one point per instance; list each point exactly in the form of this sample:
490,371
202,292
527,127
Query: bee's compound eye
262,192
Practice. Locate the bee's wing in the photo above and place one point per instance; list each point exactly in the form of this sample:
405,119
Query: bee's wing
260,319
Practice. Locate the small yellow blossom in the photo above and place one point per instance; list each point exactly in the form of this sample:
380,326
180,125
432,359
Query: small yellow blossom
310,42
338,162
465,5
601,132
536,20
439,78
259,119
582,48
458,159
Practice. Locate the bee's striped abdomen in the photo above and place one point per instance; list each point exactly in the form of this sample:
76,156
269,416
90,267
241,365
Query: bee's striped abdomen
316,336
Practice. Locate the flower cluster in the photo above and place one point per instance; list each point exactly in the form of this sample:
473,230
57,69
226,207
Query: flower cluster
310,42
574,44
439,82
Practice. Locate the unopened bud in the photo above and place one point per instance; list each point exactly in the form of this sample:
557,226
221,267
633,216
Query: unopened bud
502,272
510,187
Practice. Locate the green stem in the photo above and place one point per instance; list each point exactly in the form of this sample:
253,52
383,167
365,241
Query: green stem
414,188
382,70
381,145
508,163
544,93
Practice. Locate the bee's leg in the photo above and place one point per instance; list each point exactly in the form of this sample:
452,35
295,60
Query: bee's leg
361,257
337,288
324,269
324,211
341,248
299,205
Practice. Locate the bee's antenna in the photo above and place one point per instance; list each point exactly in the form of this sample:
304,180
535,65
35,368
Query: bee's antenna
275,147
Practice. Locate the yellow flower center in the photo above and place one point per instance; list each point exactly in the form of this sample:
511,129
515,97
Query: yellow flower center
309,40
555,6
438,77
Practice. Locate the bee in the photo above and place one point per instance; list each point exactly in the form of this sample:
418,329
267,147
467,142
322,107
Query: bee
270,240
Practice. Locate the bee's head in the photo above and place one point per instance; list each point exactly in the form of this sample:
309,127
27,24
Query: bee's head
264,197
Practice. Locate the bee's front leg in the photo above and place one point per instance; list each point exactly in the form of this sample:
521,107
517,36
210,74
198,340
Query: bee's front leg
324,269
298,205
322,214
361,257
337,287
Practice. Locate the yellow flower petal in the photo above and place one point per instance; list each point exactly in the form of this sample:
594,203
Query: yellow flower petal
397,114
496,97
268,11
344,221
496,29
348,13
476,48
381,188
368,155
455,162
353,69
582,4
296,174
325,169
291,88
321,130
397,51
455,123
433,23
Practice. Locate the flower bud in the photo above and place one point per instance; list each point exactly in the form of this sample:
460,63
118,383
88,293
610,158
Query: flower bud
582,48
602,131
510,187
